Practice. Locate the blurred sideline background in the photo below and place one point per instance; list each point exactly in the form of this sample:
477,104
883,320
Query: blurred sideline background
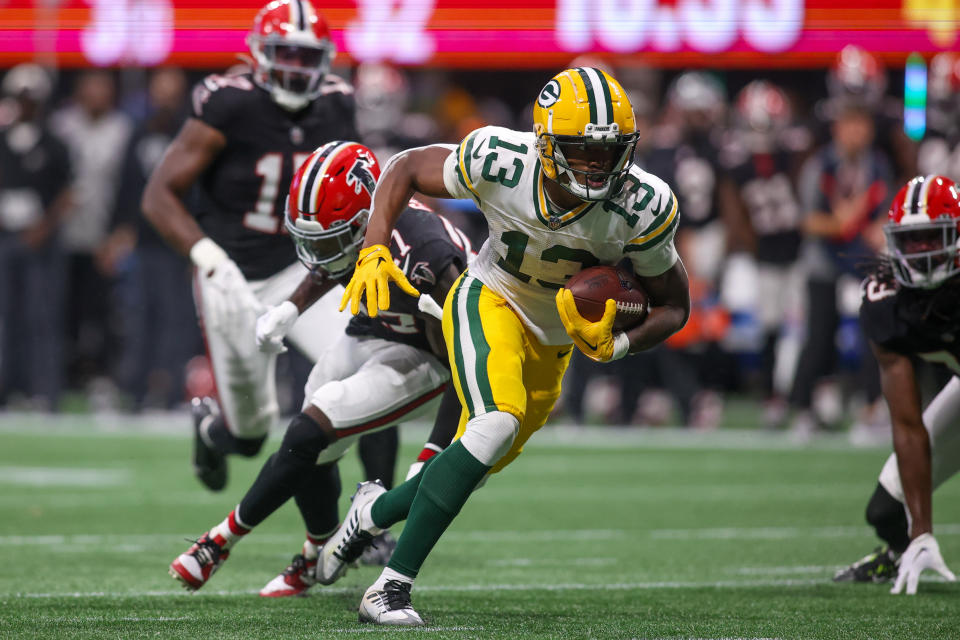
749,109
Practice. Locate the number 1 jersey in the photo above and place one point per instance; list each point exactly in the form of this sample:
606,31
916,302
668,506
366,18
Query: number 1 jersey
239,200
534,247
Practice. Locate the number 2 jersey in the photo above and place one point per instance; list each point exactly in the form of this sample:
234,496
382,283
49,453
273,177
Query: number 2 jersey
913,322
424,245
533,247
239,199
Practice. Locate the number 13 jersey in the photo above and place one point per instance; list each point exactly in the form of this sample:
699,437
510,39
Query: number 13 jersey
534,247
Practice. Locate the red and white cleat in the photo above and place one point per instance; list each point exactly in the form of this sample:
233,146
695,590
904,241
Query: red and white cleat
294,581
194,567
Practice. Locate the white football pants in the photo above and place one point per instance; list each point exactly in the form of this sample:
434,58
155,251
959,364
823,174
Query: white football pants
942,420
245,376
364,384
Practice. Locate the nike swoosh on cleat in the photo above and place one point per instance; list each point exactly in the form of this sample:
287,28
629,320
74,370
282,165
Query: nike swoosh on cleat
563,354
592,346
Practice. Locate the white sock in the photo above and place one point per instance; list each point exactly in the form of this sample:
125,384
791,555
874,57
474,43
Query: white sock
230,531
366,520
310,550
390,574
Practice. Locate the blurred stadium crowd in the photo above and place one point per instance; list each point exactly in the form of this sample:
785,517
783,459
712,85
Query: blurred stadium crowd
783,182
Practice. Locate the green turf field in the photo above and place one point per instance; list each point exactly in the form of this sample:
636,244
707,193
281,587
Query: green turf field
603,535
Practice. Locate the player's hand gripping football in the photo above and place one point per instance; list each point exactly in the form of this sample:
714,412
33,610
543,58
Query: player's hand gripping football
375,269
594,339
273,326
922,554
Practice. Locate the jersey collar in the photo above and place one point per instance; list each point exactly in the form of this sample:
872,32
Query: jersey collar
547,213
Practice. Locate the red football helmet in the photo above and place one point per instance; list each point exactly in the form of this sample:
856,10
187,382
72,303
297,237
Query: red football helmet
292,51
762,113
762,106
922,232
329,204
857,73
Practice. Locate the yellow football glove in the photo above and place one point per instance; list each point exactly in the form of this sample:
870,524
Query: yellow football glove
375,269
595,339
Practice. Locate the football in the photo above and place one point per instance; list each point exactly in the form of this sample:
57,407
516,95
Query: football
592,288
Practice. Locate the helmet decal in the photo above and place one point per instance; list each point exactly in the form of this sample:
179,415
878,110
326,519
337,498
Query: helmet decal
360,176
549,95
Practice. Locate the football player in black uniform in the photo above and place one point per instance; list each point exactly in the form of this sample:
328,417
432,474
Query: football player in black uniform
911,309
248,134
760,204
380,371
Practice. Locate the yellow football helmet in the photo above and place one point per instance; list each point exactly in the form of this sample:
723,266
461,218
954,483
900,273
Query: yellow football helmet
585,109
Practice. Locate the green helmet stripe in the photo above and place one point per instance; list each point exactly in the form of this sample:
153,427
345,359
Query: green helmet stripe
591,98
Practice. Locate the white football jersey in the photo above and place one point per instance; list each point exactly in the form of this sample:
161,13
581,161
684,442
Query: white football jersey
533,247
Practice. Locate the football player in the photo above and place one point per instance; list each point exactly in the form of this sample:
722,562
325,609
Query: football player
857,75
557,200
911,309
247,135
762,210
382,370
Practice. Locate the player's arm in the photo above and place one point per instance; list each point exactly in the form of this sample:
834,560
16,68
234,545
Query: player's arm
417,170
910,439
191,152
669,295
911,442
733,211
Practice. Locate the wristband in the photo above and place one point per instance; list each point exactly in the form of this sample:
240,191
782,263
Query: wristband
207,255
621,346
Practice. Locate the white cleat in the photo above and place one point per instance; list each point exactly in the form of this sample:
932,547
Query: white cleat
389,606
355,534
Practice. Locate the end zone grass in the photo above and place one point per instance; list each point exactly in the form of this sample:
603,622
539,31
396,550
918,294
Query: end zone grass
603,535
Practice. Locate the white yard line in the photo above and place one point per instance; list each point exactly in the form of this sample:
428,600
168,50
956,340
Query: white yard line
459,588
177,425
63,476
492,537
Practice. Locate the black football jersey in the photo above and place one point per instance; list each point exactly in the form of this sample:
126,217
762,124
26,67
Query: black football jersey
423,245
913,322
239,200
690,168
34,172
772,204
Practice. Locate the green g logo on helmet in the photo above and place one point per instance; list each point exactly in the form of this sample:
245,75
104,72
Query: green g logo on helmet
549,95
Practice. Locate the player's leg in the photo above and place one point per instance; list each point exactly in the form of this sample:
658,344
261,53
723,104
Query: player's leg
246,407
394,505
886,511
485,343
282,476
395,382
317,501
378,455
